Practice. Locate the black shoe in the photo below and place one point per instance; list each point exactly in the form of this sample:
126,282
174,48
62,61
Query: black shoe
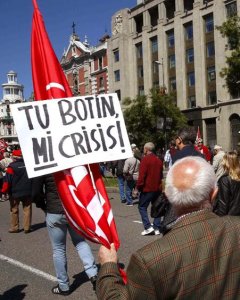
27,231
14,231
57,291
94,281
123,201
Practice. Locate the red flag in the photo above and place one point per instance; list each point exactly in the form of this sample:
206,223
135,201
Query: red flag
81,189
198,136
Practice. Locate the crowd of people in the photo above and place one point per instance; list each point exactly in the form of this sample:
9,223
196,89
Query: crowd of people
196,254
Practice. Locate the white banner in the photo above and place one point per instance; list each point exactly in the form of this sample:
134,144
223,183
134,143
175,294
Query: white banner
58,134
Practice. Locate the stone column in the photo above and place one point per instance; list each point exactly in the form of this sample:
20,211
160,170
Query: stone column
179,7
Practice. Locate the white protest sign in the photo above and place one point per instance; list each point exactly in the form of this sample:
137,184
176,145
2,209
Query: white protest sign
59,134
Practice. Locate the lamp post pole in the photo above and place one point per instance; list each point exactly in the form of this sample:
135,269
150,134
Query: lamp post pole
162,91
161,64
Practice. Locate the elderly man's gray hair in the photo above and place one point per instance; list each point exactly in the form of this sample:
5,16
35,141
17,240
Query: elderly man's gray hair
150,146
190,182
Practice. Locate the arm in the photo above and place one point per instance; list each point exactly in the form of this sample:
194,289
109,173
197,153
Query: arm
110,284
142,174
126,167
215,163
7,180
38,196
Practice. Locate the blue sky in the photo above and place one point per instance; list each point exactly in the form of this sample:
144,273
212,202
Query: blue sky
92,18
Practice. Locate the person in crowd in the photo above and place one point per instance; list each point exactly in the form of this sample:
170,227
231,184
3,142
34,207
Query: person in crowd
169,154
228,197
117,168
136,152
45,195
18,186
185,140
217,161
197,259
4,163
149,184
130,172
203,149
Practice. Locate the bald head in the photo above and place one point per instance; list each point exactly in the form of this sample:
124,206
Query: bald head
190,182
188,170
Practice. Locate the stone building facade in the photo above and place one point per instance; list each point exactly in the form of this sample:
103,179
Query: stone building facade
175,44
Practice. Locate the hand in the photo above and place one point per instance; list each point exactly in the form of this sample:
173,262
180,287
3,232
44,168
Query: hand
107,255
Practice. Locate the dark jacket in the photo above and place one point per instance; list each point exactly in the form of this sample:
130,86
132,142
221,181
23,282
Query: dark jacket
16,182
228,197
117,167
188,150
45,195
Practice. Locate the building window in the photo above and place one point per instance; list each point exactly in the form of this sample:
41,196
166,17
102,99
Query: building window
74,50
172,84
171,40
116,55
191,79
191,101
210,49
171,59
190,55
139,50
139,23
140,71
141,90
212,98
189,31
100,62
155,68
209,24
231,9
118,92
101,82
211,73
153,13
117,75
154,43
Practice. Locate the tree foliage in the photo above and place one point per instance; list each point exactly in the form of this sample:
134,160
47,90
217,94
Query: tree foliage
231,30
143,115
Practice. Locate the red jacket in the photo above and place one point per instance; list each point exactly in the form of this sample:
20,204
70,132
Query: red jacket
150,174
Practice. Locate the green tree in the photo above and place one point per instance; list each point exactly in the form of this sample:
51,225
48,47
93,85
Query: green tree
231,30
153,119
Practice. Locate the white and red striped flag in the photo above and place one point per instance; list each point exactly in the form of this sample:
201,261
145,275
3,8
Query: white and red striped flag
81,189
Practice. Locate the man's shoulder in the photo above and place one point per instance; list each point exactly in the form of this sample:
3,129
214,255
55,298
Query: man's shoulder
209,227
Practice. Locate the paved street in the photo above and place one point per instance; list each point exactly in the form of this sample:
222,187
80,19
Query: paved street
26,265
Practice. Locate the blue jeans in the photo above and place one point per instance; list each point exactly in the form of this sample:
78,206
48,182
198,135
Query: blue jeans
145,199
58,226
129,187
121,186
